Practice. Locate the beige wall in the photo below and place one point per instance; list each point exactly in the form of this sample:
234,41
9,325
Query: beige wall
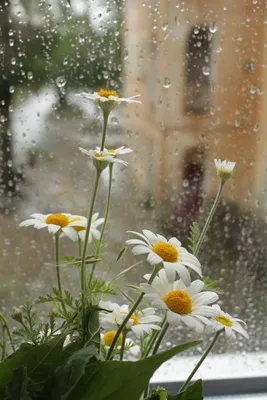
234,129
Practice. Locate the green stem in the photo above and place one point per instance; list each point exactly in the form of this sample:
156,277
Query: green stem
123,345
134,307
200,362
57,268
5,324
83,263
4,342
209,219
161,335
105,123
105,221
153,339
79,248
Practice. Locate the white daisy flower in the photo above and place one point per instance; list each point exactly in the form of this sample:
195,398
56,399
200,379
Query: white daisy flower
187,304
79,223
224,168
174,257
226,322
109,95
141,322
108,156
54,223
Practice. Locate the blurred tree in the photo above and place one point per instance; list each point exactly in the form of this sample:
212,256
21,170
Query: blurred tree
46,49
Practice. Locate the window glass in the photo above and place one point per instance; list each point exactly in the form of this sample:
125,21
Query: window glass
200,68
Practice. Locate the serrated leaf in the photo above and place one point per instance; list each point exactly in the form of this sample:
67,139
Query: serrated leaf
194,233
113,380
121,253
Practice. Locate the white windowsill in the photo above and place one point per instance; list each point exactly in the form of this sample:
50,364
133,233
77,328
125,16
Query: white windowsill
223,366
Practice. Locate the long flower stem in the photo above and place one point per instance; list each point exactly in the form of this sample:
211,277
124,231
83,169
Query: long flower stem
79,248
153,339
209,219
57,268
122,345
134,307
5,325
89,221
161,335
4,342
105,124
200,362
105,221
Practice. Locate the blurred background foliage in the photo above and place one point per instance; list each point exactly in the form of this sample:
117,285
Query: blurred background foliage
43,43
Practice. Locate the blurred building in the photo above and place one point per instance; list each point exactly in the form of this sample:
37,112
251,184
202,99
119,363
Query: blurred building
200,67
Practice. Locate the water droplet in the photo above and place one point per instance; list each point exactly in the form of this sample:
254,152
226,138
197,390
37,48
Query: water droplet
30,75
206,70
253,89
13,60
11,42
213,28
167,83
185,183
81,38
237,123
199,44
61,81
11,89
164,27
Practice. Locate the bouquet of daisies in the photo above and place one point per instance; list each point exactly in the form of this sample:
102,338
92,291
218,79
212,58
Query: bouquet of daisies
90,347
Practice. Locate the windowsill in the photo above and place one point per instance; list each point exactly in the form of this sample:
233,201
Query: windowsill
220,366
223,375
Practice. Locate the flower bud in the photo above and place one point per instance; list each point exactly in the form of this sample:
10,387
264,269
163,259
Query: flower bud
16,314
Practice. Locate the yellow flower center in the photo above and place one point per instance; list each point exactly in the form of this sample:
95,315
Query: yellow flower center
166,251
224,320
98,155
135,320
77,228
107,93
57,219
111,151
109,337
178,301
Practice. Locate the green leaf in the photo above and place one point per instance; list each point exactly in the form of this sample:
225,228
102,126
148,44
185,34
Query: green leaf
158,394
122,273
41,362
113,380
193,392
122,251
68,374
193,236
17,387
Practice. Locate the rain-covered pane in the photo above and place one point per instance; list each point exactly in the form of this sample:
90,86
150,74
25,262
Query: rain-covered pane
200,68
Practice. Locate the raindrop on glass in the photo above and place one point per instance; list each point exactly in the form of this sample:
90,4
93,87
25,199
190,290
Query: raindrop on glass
213,28
167,83
61,81
206,70
81,38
